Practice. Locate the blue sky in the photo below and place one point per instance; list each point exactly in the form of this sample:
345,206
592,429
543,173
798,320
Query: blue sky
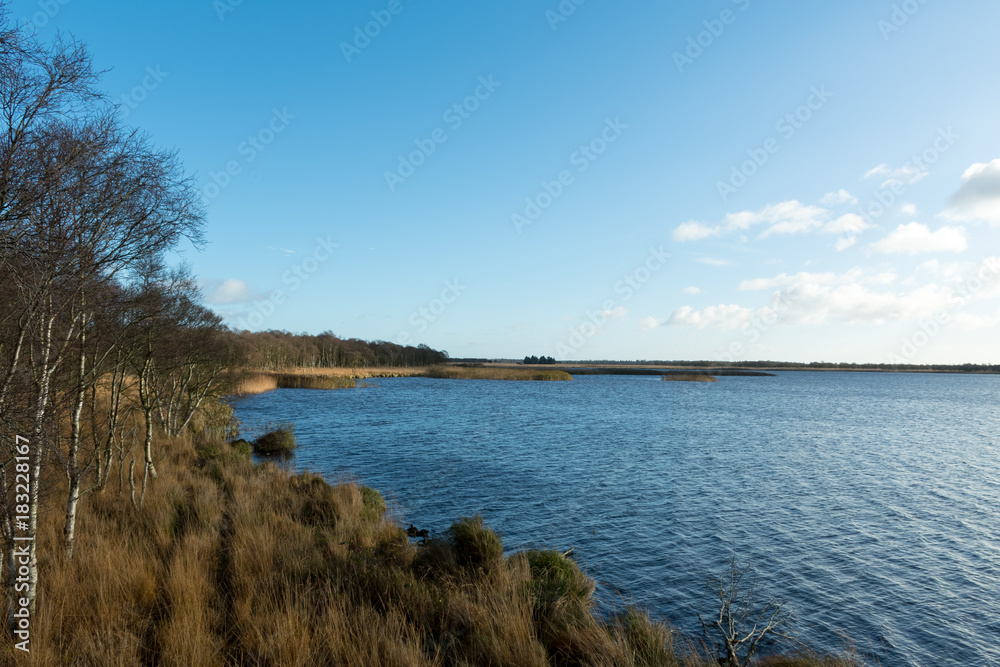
637,180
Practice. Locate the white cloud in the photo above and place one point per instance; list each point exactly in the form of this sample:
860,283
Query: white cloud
850,223
788,217
978,198
840,197
845,243
692,290
856,303
694,231
717,317
226,292
620,311
862,296
971,321
915,238
649,323
908,209
908,174
856,275
946,271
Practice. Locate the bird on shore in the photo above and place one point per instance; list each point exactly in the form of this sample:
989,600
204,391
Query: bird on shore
413,532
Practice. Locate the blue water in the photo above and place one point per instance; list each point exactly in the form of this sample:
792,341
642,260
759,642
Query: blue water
870,501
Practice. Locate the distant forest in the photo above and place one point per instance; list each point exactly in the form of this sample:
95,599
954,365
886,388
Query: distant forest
815,365
533,360
277,350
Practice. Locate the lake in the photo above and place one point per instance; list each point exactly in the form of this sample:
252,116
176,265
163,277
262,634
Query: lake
870,501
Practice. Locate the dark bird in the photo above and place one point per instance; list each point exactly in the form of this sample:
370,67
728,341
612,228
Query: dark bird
413,532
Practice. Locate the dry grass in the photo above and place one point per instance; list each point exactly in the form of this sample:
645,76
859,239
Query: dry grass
317,378
347,378
229,563
495,373
357,373
257,384
689,377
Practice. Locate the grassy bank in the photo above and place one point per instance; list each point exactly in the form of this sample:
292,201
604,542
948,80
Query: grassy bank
688,377
346,378
229,563
496,373
317,378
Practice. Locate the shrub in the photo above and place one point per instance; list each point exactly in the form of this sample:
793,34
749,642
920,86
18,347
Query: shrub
316,501
242,448
278,442
554,577
373,502
650,644
476,547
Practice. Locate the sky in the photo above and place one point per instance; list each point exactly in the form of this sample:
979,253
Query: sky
727,180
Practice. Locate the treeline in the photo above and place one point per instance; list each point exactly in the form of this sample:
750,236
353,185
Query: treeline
278,350
533,360
815,365
101,344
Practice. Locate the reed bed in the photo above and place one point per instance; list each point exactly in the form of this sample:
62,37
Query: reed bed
317,378
256,384
688,377
496,373
357,373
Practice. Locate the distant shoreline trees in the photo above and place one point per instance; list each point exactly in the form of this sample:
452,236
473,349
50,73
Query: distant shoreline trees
279,350
539,361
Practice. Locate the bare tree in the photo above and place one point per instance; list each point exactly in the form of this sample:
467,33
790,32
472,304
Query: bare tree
38,84
195,355
746,615
83,203
118,203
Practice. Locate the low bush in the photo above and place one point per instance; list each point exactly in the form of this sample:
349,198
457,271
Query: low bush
373,503
476,547
277,442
